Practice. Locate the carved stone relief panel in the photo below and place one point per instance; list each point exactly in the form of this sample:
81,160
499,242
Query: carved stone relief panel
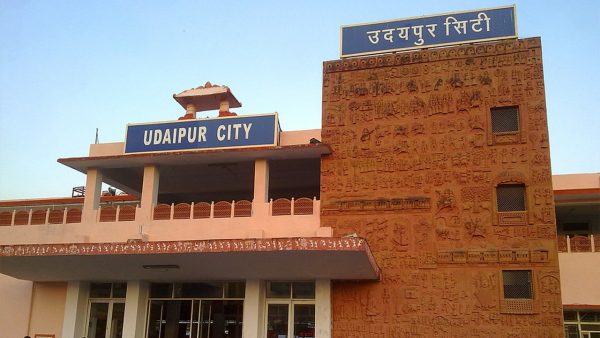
414,171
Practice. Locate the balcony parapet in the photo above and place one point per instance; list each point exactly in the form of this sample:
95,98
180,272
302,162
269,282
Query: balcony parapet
40,216
579,243
184,221
198,210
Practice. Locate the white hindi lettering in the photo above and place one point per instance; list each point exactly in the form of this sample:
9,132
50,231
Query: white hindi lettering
418,31
431,29
403,32
388,35
459,26
477,22
373,37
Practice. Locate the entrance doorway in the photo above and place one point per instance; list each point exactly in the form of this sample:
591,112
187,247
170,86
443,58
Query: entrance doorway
106,310
195,318
105,319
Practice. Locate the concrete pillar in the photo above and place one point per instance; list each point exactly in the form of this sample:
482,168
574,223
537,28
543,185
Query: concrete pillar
224,106
136,305
190,110
149,194
260,204
254,308
75,310
93,192
323,308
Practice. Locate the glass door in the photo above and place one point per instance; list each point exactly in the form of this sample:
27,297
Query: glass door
105,319
195,318
290,320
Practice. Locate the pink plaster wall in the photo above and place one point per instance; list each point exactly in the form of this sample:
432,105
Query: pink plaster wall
579,278
15,301
107,149
48,308
288,138
576,181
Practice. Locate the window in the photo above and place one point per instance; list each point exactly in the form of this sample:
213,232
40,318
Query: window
517,284
505,120
290,309
584,323
510,197
106,310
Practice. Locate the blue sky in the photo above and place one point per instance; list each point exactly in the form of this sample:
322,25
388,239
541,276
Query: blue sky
69,67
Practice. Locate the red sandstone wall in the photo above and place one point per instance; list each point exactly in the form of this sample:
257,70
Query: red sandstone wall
414,169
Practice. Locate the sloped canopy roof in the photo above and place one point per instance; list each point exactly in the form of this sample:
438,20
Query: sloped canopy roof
207,97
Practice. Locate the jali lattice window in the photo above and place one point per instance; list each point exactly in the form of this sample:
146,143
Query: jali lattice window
510,197
505,120
517,284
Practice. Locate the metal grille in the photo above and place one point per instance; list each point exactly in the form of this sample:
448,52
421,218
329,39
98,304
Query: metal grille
38,217
242,208
162,212
510,197
281,206
56,216
303,206
517,284
127,213
222,209
21,218
108,214
562,243
74,216
182,211
580,243
505,120
5,218
201,210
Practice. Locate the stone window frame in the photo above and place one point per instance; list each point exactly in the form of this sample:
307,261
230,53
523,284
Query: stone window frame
509,218
508,137
518,305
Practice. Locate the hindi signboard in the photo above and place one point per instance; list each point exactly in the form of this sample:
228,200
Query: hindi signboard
429,31
209,133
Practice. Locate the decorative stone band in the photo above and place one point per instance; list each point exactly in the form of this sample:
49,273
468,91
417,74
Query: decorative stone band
484,49
493,256
138,247
379,205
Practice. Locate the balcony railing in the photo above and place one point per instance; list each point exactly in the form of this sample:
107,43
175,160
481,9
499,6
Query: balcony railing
127,213
578,243
116,214
226,209
40,216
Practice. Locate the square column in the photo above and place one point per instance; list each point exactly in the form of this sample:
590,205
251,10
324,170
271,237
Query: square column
323,308
149,194
260,201
136,300
93,192
75,309
254,307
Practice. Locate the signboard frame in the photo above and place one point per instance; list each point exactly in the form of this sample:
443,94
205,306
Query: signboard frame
276,132
390,50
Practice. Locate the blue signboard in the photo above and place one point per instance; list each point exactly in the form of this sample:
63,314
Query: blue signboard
429,31
225,132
